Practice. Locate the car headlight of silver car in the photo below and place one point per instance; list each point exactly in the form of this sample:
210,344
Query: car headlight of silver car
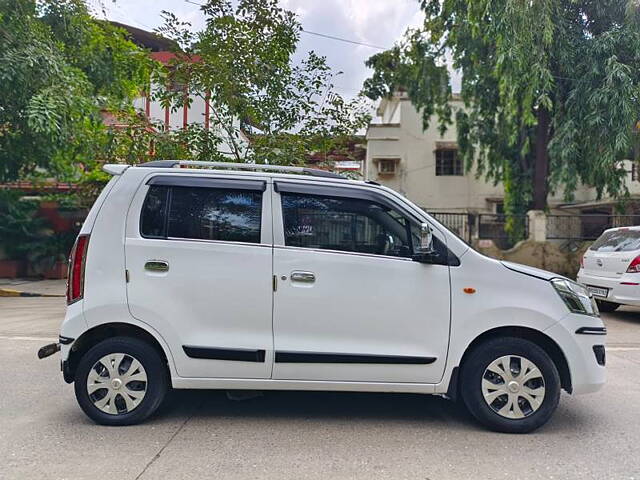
576,297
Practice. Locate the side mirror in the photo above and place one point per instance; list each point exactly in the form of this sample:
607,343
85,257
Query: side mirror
425,253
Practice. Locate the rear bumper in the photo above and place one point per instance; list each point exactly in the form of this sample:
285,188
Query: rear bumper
587,375
618,293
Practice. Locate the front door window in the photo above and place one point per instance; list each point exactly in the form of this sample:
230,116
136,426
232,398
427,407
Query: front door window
345,224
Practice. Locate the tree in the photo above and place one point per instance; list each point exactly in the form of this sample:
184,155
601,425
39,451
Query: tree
242,65
59,68
551,89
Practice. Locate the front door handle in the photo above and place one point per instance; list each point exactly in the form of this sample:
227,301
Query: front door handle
303,277
156,266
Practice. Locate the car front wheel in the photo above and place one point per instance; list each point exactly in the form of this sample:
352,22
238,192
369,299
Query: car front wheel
510,385
120,381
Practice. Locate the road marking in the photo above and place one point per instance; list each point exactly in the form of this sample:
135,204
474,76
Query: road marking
622,349
39,339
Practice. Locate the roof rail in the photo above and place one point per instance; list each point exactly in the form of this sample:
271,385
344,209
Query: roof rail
314,172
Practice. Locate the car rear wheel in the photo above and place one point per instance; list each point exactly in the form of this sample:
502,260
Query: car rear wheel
510,385
120,381
606,306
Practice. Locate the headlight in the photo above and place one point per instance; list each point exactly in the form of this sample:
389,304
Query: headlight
575,296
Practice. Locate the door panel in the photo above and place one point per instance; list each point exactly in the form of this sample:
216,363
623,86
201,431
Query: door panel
355,316
201,303
360,306
210,300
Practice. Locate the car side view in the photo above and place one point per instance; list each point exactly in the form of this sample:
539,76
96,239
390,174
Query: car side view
236,276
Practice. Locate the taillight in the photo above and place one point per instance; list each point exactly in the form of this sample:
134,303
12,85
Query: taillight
75,280
634,266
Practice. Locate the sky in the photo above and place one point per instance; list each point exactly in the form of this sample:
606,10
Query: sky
374,22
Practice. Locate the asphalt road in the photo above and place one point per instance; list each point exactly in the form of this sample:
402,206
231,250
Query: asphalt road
296,435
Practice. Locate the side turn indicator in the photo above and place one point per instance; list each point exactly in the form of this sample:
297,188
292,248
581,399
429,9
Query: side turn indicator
469,290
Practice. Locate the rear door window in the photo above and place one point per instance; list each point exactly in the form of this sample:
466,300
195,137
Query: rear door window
202,214
617,241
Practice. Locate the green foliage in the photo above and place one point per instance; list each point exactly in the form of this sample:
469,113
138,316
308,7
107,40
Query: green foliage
20,229
49,249
241,63
568,64
58,69
25,236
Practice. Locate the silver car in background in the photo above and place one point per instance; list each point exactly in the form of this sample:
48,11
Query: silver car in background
610,268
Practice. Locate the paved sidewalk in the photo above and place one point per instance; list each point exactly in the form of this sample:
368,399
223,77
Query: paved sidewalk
57,287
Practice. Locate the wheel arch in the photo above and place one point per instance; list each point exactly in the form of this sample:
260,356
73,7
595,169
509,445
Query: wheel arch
103,331
535,336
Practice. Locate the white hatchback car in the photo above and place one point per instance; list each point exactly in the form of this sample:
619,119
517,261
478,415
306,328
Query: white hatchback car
610,268
290,278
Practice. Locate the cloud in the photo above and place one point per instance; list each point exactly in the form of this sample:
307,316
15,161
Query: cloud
374,22
377,22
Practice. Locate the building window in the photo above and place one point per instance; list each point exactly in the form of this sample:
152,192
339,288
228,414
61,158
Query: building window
448,163
387,166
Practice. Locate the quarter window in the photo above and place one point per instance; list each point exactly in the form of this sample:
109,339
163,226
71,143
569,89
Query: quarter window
154,213
202,214
345,224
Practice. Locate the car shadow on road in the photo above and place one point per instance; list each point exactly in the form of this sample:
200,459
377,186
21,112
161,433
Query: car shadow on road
394,408
317,405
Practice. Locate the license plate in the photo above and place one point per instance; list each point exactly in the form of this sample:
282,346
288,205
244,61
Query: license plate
598,291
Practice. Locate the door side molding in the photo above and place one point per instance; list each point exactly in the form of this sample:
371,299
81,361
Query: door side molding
313,357
232,354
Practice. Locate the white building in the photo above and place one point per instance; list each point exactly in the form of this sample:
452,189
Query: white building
425,166
196,108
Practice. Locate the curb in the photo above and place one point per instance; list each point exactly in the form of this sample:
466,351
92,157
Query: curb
8,292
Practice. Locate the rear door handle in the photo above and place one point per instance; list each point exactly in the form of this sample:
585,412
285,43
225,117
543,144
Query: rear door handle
156,266
303,277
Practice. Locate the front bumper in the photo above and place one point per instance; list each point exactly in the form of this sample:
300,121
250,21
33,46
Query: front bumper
618,291
587,375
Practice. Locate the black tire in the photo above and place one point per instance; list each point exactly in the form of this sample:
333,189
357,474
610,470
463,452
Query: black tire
607,306
473,372
156,384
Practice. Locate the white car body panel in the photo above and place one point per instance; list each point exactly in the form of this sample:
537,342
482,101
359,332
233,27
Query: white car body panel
608,270
206,287
360,303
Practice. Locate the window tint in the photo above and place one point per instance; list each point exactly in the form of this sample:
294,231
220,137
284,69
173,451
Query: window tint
154,212
202,213
617,241
346,224
215,214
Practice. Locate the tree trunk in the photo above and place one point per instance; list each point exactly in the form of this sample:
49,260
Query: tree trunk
541,167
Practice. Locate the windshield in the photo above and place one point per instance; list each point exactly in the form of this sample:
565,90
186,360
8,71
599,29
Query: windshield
617,241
